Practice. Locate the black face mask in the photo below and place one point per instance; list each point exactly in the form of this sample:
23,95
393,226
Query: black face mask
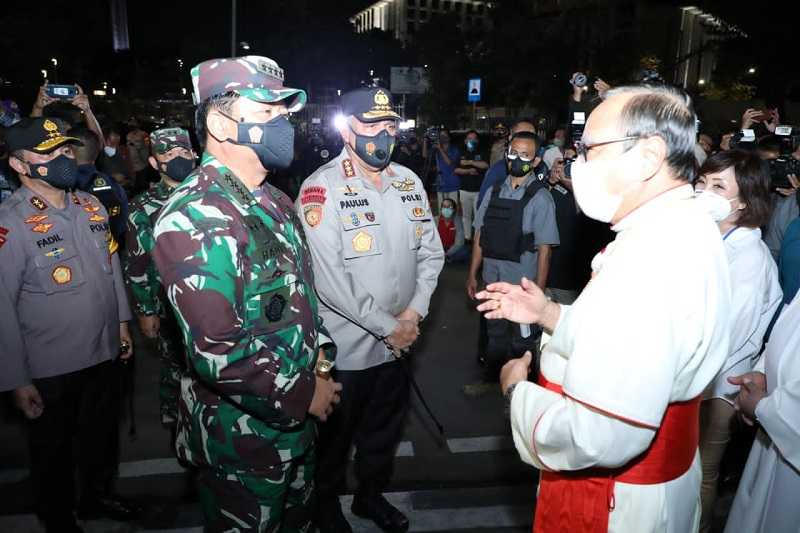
178,168
519,168
375,151
273,141
60,172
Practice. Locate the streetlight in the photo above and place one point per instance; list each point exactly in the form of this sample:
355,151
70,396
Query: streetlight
245,45
701,81
751,70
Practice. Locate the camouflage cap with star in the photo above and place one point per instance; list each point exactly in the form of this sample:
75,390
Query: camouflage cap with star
255,77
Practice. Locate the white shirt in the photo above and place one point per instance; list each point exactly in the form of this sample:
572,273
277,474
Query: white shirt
650,329
755,297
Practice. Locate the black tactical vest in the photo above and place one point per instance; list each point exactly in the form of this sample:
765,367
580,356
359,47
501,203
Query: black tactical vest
501,234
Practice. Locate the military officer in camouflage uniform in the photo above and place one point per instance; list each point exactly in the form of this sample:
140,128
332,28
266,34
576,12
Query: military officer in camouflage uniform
172,157
65,317
233,260
377,259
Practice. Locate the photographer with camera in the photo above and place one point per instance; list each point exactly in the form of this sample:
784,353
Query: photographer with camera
784,166
447,160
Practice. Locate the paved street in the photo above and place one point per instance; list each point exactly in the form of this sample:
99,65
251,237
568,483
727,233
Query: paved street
470,481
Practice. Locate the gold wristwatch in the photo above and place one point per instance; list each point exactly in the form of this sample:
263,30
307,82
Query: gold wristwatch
323,368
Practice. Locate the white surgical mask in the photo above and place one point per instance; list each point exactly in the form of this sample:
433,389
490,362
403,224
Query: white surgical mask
716,205
590,183
110,151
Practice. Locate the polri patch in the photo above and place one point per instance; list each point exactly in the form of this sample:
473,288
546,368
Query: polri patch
418,212
313,195
370,216
3,233
99,182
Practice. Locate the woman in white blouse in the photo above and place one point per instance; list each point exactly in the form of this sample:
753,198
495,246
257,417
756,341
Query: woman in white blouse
734,185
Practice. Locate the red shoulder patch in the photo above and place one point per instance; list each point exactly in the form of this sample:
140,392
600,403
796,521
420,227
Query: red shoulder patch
313,195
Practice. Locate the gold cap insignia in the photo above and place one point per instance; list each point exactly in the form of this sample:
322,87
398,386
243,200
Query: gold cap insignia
50,126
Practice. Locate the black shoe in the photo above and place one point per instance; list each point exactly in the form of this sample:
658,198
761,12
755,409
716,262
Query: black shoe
109,506
330,518
384,514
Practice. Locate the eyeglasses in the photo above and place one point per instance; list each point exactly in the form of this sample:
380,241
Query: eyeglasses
582,148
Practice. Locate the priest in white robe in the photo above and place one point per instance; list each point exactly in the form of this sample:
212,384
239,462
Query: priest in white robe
613,420
768,497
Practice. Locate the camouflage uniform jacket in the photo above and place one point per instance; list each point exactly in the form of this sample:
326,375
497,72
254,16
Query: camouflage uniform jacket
140,271
238,273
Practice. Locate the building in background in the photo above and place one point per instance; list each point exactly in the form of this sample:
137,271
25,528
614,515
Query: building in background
403,18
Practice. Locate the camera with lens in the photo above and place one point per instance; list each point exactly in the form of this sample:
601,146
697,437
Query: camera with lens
579,79
576,126
432,133
650,76
784,164
744,140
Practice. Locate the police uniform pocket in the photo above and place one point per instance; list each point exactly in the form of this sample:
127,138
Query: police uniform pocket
59,270
360,242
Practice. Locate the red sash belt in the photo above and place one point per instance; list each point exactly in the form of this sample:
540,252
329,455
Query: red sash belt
580,501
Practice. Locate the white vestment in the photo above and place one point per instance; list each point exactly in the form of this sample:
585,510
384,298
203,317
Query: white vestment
768,497
650,329
755,297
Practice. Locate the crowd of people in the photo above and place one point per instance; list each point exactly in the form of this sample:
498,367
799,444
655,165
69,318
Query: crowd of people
637,282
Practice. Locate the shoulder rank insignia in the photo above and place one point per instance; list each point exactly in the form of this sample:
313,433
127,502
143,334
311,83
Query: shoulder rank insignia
75,199
3,233
38,203
347,166
406,185
35,219
62,274
91,209
114,211
362,242
42,228
96,218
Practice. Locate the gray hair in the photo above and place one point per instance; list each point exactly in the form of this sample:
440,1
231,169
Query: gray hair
664,111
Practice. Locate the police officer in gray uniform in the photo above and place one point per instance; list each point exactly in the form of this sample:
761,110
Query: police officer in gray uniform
377,258
515,228
64,304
